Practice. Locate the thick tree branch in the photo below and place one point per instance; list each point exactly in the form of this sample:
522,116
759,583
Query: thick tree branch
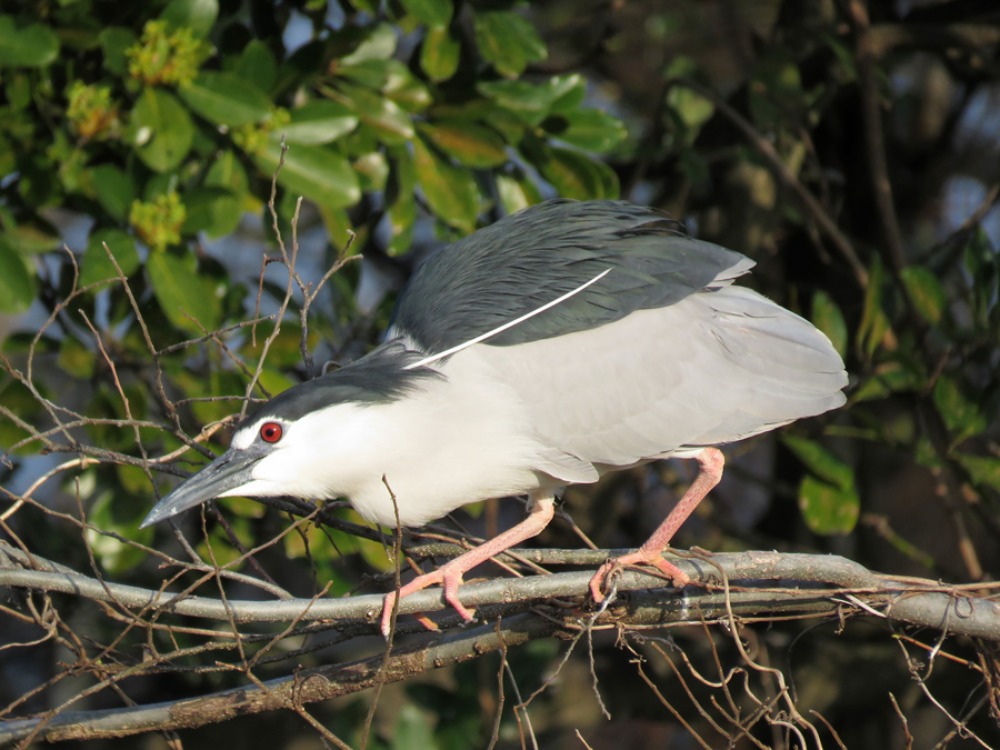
819,584
798,586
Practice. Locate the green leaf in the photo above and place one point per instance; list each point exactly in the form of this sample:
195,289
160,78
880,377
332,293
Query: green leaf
573,175
225,99
218,544
610,186
982,263
468,143
197,15
113,190
891,377
406,89
775,92
339,229
114,41
431,12
984,470
315,172
827,509
32,237
379,44
227,171
256,63
451,192
17,285
440,54
30,46
392,78
828,497
819,461
402,175
372,170
413,729
391,123
22,402
372,74
133,478
686,110
115,556
516,192
161,129
826,316
402,209
530,102
97,266
589,129
401,216
212,210
962,415
319,122
193,386
19,90
874,322
507,41
570,91
926,292
188,299
76,359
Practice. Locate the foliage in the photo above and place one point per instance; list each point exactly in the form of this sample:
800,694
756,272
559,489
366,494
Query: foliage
163,127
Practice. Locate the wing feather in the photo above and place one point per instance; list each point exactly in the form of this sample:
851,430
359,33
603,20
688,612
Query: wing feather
715,367
526,260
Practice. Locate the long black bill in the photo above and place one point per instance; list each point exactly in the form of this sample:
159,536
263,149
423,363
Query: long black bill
228,471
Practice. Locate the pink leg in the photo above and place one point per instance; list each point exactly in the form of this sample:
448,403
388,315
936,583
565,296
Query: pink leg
711,461
541,508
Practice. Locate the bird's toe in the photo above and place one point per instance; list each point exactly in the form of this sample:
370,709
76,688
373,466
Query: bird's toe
611,568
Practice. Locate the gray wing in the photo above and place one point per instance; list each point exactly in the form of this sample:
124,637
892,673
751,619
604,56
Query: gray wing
528,259
715,367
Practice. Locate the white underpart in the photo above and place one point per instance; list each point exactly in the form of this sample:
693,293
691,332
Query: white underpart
447,443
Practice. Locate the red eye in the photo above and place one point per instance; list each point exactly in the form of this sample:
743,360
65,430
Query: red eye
270,432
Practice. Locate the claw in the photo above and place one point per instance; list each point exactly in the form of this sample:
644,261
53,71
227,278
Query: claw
449,575
451,583
639,557
449,578
385,622
710,461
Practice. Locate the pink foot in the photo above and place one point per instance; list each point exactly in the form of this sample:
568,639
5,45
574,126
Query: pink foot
449,577
671,571
710,462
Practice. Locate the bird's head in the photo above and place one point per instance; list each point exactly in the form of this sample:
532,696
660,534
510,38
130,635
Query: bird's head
255,444
304,442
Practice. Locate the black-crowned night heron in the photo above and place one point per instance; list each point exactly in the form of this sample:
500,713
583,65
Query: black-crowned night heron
560,343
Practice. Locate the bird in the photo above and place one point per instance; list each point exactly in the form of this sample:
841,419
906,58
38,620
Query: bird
562,342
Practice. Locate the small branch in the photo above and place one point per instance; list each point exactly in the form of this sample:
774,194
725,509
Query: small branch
878,164
305,686
873,136
813,585
904,601
815,209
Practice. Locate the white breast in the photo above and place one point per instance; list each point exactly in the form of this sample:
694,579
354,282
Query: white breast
450,442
